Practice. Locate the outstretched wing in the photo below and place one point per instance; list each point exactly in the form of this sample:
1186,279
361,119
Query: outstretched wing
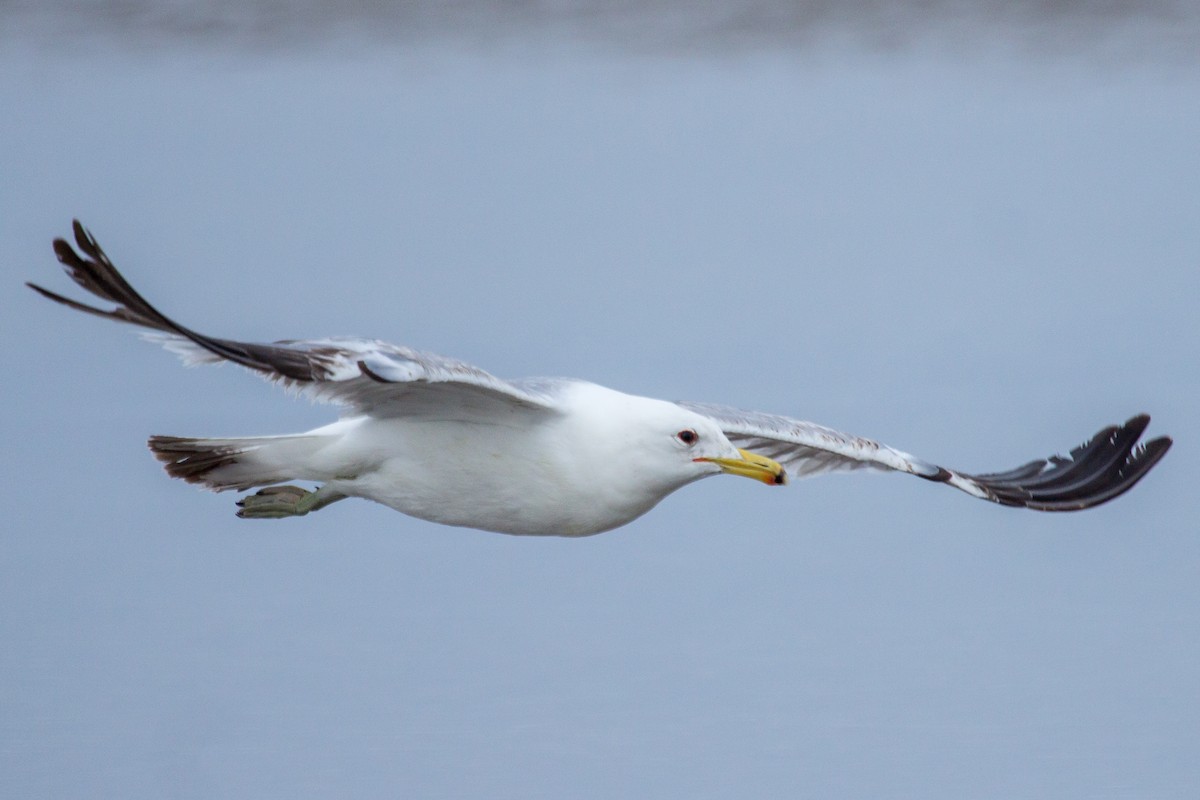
1106,466
371,376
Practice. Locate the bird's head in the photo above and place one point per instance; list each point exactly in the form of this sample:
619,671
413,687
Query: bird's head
711,452
662,446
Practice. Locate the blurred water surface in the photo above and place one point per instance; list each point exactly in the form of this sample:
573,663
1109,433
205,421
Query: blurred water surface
967,229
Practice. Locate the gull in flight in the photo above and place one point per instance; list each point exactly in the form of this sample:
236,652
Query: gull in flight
444,441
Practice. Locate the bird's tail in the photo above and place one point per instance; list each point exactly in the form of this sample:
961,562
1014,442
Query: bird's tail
242,463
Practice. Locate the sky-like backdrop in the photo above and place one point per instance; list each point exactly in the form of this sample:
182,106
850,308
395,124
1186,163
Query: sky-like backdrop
969,230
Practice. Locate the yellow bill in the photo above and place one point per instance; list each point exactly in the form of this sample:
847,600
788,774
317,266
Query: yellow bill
752,465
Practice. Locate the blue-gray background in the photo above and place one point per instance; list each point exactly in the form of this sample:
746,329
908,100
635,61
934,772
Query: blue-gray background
969,230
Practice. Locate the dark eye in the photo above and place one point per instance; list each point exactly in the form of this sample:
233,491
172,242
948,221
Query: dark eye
688,436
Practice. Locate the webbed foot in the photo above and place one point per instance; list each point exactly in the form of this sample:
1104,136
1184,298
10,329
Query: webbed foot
277,502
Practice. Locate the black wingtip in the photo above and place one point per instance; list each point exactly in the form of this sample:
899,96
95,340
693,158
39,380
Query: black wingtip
1138,423
92,270
65,254
1099,470
46,293
1153,450
82,237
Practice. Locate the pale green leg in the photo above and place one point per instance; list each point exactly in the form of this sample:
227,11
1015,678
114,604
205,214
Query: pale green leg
277,502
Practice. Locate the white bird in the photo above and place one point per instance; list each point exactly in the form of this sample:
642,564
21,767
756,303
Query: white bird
444,441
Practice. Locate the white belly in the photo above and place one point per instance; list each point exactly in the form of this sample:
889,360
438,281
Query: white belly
516,480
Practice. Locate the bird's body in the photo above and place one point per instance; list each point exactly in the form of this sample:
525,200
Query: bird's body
570,472
444,441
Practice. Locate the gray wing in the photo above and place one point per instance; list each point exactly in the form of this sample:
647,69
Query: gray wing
371,376
1104,467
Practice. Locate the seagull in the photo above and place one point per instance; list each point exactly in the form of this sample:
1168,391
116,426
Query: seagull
447,442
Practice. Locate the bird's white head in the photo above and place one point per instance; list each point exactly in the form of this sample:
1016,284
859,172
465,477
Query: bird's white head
660,446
